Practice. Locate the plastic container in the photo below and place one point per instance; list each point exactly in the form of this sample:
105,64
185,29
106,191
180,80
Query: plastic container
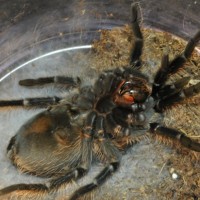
46,37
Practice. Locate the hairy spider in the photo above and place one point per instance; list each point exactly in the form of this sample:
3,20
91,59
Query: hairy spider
100,121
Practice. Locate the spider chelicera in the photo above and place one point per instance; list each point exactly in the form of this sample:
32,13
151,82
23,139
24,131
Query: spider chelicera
99,121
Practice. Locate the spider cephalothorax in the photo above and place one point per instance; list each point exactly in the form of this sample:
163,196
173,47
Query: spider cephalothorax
100,120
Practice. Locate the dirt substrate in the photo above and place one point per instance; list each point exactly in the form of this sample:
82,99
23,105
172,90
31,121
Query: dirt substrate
154,168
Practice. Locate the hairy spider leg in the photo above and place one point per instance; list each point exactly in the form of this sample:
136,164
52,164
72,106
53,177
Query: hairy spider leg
98,180
86,155
111,154
156,128
84,101
167,68
23,186
138,38
168,95
178,96
161,75
170,89
42,101
67,81
179,60
161,90
34,102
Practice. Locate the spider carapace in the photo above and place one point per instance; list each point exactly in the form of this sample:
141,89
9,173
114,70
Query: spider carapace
99,121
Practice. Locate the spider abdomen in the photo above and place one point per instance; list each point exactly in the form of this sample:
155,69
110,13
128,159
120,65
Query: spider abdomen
47,144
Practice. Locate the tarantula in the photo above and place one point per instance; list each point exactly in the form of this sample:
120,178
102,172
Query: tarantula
101,120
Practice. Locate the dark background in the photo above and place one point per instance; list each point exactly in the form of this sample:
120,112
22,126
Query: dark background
169,15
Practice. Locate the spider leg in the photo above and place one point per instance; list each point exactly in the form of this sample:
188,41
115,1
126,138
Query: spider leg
86,157
167,68
178,96
39,102
178,61
156,128
104,84
138,37
68,81
98,180
167,90
56,183
112,155
161,75
23,186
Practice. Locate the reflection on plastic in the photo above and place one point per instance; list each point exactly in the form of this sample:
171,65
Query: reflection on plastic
46,55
